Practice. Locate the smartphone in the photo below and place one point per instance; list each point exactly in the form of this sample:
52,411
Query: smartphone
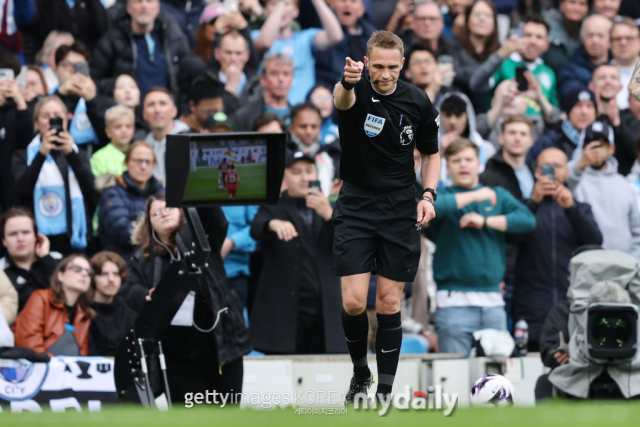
7,74
315,185
549,171
81,68
56,123
446,62
523,84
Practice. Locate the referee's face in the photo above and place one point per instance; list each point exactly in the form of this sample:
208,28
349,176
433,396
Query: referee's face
384,67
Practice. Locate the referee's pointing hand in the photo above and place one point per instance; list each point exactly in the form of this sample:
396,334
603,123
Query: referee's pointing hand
353,71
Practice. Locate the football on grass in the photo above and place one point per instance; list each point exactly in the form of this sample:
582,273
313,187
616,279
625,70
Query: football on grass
492,390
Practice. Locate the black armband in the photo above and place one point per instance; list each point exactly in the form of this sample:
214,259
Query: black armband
346,84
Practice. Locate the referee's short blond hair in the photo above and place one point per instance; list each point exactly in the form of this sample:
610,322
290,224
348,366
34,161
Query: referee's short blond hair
118,111
385,40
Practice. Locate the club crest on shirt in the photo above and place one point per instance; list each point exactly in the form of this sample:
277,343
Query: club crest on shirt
373,125
406,136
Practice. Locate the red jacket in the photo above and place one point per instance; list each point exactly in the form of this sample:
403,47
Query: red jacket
42,321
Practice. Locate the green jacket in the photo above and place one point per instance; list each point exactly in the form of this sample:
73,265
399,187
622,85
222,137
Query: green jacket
109,160
468,259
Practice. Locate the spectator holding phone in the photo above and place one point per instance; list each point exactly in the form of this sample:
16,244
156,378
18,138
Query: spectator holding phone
306,121
297,306
563,225
54,178
29,263
79,94
523,52
616,208
15,120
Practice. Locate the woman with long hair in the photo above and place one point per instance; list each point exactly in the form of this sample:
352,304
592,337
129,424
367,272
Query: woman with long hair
207,338
479,36
57,320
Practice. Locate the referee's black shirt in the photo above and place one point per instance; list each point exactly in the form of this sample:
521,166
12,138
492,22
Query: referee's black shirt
378,134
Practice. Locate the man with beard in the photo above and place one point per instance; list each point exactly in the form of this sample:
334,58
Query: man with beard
594,180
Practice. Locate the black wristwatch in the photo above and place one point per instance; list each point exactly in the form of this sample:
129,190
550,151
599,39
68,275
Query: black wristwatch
433,192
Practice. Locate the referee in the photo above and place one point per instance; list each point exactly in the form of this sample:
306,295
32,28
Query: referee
381,120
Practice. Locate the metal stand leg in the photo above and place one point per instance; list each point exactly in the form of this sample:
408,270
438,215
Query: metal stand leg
163,368
145,371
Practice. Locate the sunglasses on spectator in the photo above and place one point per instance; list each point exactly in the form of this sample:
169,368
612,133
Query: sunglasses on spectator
158,212
77,269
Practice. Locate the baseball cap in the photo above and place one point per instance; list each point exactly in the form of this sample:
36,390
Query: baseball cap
218,119
596,131
580,94
296,156
211,12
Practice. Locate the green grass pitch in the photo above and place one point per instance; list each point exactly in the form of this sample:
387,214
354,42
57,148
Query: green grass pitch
564,414
203,183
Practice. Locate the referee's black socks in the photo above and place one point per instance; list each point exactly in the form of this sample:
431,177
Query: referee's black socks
388,342
356,331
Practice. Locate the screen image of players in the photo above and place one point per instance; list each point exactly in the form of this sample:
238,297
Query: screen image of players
232,181
212,160
224,168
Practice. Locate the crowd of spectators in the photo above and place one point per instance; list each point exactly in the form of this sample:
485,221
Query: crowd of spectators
539,139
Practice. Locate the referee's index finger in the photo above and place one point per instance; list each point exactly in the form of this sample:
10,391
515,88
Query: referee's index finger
350,61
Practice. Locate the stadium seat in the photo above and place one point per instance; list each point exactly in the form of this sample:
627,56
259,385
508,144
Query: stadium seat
412,346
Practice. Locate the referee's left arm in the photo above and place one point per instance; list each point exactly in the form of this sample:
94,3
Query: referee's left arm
430,172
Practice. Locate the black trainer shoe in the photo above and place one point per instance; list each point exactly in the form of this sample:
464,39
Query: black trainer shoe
358,386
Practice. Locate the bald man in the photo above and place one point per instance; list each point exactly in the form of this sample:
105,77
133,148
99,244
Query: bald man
595,38
563,225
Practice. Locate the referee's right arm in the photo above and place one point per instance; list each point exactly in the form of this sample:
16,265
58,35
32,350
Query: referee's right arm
343,95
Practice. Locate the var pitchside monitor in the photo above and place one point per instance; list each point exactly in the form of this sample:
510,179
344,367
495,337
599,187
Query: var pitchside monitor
224,168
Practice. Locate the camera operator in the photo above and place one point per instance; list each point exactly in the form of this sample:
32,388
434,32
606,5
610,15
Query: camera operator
191,344
554,350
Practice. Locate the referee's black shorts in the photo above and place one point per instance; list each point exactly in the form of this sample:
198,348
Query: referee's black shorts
375,231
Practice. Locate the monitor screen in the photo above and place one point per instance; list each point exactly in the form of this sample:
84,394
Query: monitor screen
227,170
237,168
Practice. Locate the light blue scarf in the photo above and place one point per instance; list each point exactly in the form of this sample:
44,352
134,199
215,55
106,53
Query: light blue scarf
49,200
